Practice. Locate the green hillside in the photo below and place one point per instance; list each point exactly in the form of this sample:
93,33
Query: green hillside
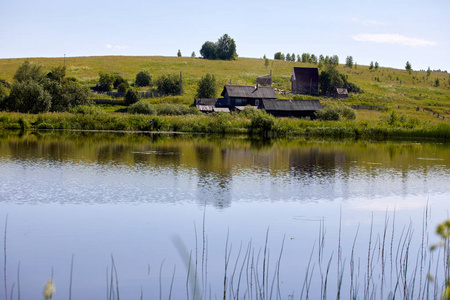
392,88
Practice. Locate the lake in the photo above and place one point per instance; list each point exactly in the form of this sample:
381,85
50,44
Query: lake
159,216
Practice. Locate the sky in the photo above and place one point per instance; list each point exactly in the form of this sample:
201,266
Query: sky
390,32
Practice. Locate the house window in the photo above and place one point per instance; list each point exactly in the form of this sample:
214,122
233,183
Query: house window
257,102
238,101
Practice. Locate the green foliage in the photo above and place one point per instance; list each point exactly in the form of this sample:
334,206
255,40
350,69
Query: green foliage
428,72
57,73
278,56
408,67
266,62
193,54
141,107
208,50
143,78
336,112
330,79
436,82
376,65
226,48
169,84
132,96
119,80
105,82
29,72
122,88
179,53
371,65
261,123
393,119
86,110
67,95
207,87
349,62
167,109
28,97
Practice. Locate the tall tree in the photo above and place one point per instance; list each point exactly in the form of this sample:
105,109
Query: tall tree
226,48
349,61
208,50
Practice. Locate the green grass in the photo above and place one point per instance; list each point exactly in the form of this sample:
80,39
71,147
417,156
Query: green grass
393,88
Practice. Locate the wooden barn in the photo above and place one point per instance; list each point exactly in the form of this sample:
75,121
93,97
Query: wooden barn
291,108
238,96
305,81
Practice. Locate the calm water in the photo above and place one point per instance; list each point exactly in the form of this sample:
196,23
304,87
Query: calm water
156,204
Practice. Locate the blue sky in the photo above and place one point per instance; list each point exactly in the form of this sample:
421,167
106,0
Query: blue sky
390,32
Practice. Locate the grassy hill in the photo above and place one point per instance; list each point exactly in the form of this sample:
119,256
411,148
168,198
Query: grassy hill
392,88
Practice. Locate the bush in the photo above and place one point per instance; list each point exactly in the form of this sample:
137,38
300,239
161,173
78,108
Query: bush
262,123
29,72
143,78
169,84
122,88
334,112
131,97
207,87
119,80
141,107
105,82
28,97
176,110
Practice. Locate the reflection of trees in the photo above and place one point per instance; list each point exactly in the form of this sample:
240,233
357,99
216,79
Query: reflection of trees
214,176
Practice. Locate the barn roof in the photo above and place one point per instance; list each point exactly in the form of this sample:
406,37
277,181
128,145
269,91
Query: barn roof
305,74
292,105
244,91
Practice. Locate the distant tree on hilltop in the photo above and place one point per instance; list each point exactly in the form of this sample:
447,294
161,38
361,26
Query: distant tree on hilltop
224,49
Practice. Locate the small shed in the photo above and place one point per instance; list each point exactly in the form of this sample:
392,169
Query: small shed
292,108
305,81
242,95
341,93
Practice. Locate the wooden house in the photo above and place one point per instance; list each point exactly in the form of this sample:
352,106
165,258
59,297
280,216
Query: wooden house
305,81
239,96
291,108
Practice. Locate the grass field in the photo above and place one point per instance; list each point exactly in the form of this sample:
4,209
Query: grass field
393,88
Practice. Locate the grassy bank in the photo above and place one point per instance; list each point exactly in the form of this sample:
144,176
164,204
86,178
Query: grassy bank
226,124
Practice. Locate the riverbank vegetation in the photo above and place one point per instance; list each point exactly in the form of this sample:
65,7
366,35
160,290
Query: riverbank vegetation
393,102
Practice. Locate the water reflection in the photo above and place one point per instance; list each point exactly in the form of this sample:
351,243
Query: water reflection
115,168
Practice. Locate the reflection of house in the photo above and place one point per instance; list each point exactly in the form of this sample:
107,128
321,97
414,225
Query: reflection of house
341,93
292,108
305,81
238,96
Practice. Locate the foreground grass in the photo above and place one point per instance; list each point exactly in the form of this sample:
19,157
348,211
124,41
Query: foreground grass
226,124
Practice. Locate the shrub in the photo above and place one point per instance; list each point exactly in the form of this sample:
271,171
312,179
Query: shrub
169,84
28,97
143,78
207,87
29,72
175,110
131,97
122,88
336,112
105,82
262,123
118,81
141,107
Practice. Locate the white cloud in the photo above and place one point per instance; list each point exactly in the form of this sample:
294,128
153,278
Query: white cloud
392,39
116,47
369,22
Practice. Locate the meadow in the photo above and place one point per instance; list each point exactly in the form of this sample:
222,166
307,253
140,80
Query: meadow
414,96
